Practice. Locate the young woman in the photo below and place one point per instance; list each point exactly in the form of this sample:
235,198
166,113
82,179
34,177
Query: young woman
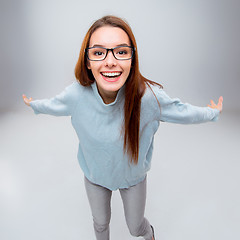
116,112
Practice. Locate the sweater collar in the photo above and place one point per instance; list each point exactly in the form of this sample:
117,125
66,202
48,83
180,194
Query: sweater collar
119,96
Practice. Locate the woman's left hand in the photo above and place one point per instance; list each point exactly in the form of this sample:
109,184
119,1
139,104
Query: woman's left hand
218,106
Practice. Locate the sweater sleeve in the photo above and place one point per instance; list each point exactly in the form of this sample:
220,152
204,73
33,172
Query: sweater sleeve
62,104
174,111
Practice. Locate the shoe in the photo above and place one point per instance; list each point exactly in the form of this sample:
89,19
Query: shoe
153,232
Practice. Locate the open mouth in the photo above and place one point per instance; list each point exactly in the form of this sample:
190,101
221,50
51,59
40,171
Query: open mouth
111,74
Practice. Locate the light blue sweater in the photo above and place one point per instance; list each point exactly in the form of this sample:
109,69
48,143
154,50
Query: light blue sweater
99,125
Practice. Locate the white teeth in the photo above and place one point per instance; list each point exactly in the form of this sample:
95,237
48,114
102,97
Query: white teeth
113,74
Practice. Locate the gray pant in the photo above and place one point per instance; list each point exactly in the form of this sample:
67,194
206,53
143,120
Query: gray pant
134,199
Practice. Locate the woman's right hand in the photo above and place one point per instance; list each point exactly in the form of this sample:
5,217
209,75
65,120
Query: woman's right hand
26,100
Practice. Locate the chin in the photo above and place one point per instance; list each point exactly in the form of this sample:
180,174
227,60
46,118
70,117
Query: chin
112,86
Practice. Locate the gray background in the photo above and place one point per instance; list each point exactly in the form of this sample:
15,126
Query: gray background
191,47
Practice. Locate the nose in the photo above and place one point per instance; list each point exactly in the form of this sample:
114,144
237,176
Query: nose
110,60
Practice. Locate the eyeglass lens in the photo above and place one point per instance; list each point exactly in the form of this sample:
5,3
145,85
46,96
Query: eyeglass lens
120,53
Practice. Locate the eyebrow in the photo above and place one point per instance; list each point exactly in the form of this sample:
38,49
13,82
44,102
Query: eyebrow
118,45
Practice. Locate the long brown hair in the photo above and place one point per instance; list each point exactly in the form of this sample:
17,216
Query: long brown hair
135,84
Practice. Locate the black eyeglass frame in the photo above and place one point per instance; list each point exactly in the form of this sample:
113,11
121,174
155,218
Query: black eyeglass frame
110,49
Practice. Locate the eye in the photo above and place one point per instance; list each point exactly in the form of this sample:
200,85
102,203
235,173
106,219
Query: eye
122,52
98,53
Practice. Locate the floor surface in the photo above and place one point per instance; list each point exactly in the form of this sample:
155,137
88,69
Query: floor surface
193,185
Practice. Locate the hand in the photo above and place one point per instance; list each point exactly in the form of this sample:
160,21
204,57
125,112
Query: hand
218,106
26,100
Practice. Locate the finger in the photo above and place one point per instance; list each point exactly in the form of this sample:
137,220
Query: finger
219,103
219,106
25,98
220,100
212,103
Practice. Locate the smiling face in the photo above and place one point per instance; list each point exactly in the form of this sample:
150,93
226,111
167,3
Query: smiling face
110,74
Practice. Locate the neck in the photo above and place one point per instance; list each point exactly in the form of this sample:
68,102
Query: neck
107,97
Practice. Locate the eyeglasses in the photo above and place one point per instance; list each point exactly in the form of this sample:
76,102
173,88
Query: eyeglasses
100,53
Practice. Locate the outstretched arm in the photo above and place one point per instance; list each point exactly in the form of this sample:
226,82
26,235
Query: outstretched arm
174,111
62,104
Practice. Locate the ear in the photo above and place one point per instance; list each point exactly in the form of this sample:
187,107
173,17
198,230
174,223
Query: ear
88,64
